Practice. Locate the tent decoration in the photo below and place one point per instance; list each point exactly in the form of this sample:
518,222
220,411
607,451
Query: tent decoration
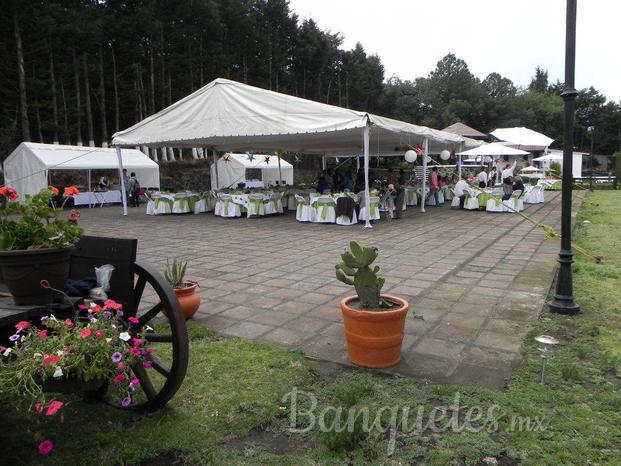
226,115
230,174
27,167
250,157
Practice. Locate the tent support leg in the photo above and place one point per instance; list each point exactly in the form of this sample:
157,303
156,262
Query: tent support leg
215,161
424,190
279,170
461,149
121,180
367,197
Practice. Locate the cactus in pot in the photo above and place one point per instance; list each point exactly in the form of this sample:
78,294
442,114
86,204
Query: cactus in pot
355,269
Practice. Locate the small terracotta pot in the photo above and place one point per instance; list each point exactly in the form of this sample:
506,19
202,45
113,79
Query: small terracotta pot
189,300
374,337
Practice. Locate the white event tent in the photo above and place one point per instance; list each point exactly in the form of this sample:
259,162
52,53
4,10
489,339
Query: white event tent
492,150
27,168
230,169
523,138
227,115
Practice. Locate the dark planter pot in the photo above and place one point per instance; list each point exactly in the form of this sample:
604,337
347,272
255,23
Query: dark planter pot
23,271
68,386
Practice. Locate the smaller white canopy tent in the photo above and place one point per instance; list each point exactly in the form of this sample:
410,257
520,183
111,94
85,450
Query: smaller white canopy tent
557,156
231,169
530,168
523,138
492,150
26,168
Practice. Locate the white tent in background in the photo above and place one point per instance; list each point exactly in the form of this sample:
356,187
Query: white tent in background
230,170
523,138
226,115
530,168
492,150
557,156
28,166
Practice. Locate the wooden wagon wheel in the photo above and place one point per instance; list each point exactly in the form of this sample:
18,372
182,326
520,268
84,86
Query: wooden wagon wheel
161,322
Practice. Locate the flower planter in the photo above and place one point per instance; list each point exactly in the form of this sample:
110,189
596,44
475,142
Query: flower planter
69,386
374,337
23,271
189,300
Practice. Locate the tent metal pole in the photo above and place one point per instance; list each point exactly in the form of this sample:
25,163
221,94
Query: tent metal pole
215,161
279,170
461,149
88,179
121,180
323,162
367,196
424,190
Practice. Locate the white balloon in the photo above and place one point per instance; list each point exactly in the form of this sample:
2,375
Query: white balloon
410,156
445,155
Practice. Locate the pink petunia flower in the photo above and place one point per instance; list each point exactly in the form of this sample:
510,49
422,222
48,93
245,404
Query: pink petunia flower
135,352
42,335
135,382
99,334
121,366
46,447
54,407
86,332
69,323
133,320
119,378
23,325
136,341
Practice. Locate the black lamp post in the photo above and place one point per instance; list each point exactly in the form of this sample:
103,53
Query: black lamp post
563,301
591,131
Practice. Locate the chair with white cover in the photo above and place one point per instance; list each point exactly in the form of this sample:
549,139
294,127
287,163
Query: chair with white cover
515,203
181,204
495,204
162,205
411,198
228,208
371,213
325,209
256,205
303,210
447,192
534,195
472,203
272,204
345,219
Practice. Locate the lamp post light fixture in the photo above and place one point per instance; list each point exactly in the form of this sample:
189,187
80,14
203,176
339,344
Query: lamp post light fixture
563,300
546,346
591,131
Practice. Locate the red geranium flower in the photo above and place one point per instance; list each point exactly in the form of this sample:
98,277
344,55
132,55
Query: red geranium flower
111,304
54,190
86,332
121,366
9,193
71,191
42,334
118,378
69,323
99,334
22,325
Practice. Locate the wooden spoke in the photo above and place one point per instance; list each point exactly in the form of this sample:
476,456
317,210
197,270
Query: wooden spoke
145,381
158,337
138,290
151,313
158,366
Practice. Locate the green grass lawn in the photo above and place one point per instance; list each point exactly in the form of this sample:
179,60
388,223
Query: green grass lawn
231,410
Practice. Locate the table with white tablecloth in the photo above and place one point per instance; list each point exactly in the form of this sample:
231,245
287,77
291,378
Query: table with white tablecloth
97,198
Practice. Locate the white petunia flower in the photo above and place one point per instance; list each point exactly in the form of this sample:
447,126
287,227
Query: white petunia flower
38,355
108,340
124,336
58,373
7,351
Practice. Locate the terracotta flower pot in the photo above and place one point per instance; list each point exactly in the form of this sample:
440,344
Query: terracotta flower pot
374,337
189,300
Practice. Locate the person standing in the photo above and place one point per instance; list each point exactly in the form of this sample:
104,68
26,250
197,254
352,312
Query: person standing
507,178
434,185
134,190
460,189
491,177
400,187
126,184
482,178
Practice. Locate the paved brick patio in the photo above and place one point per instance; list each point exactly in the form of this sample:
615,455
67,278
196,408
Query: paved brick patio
475,281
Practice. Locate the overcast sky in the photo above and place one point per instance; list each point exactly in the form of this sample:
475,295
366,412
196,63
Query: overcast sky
511,37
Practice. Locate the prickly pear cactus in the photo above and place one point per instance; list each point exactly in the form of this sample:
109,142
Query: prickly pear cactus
355,270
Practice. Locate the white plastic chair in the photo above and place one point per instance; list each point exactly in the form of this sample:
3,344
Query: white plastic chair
162,205
325,209
411,198
534,195
372,213
455,200
256,205
495,205
303,210
472,203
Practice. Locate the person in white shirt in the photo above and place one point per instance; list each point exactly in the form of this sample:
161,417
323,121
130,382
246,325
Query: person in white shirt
507,178
482,178
491,178
460,191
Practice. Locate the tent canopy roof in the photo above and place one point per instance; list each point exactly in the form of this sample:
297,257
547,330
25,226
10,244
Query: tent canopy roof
493,149
227,115
259,161
464,130
62,157
523,137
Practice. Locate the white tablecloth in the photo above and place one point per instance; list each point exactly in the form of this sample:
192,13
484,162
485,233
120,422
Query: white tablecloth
254,184
97,198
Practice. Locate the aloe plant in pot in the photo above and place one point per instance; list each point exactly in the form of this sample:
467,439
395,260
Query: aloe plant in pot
184,289
374,322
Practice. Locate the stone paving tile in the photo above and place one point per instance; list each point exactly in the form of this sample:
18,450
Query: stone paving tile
477,287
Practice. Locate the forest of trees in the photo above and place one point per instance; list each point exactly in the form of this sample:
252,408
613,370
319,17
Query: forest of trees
76,71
